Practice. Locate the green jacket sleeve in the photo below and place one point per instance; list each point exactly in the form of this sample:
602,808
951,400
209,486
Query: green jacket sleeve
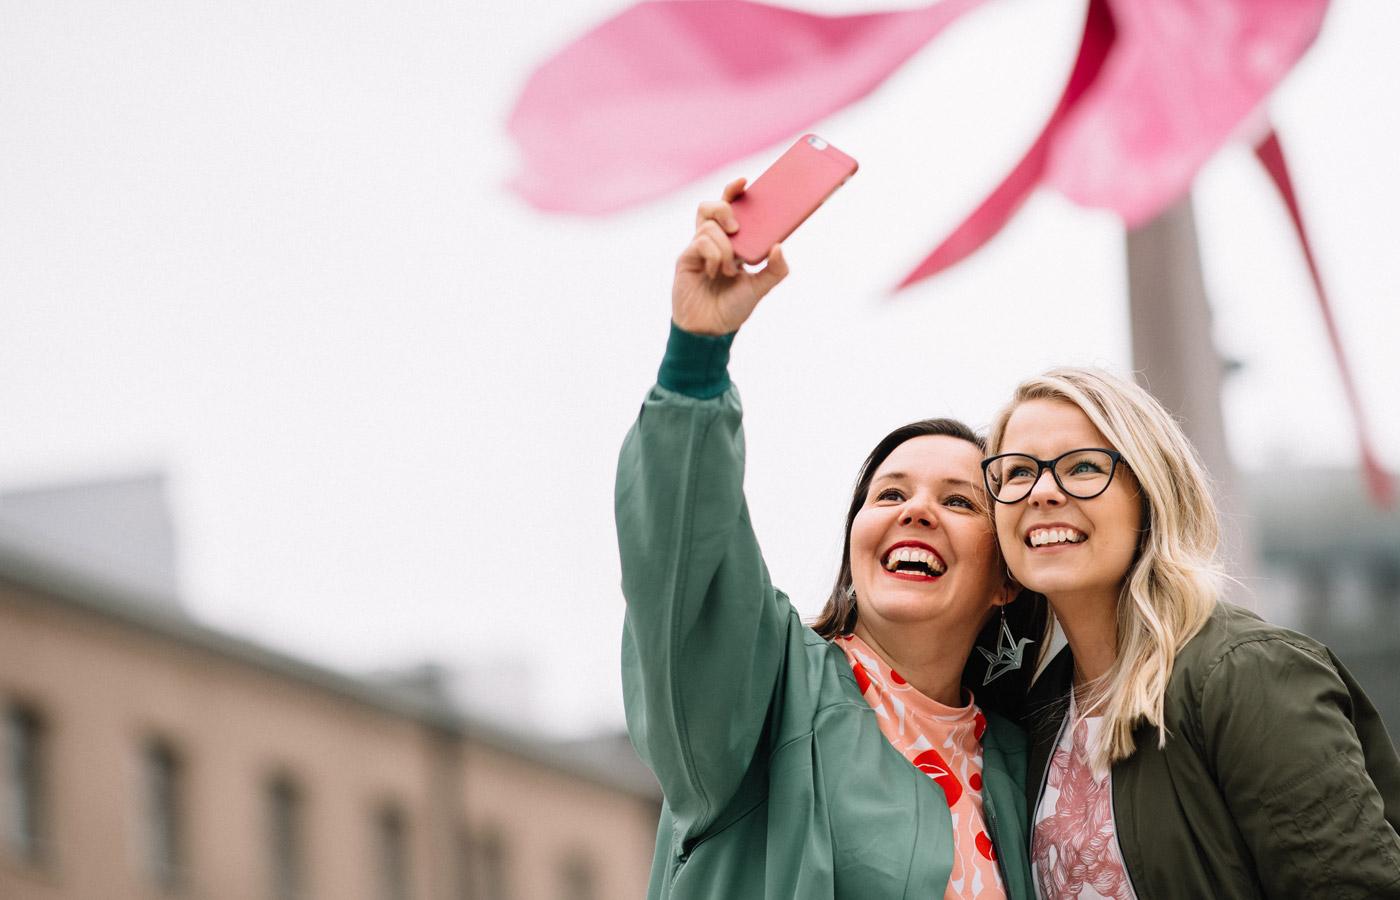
1277,721
703,638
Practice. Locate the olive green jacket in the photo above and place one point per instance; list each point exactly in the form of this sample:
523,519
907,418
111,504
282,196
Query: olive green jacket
1277,779
777,779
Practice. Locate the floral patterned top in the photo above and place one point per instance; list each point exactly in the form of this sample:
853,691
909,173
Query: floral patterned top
1074,848
946,743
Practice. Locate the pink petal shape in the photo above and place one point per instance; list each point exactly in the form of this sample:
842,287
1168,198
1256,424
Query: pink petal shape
1003,202
1270,153
670,90
1182,78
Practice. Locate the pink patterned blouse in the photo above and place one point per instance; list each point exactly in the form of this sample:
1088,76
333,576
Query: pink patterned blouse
1074,849
946,743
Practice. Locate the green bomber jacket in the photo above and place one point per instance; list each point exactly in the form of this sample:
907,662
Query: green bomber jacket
1277,779
778,782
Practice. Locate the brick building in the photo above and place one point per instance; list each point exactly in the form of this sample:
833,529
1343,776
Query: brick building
148,756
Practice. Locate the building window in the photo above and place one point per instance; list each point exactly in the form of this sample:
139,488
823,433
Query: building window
286,848
164,811
482,866
393,853
577,879
25,813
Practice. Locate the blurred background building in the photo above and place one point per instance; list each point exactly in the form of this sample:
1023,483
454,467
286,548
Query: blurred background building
145,755
1329,566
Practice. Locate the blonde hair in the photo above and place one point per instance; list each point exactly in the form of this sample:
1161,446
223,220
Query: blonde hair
1174,582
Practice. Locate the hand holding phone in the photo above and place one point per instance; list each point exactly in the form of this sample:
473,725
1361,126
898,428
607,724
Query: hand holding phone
712,293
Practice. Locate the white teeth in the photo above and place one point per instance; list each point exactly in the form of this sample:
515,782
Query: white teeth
914,555
1044,536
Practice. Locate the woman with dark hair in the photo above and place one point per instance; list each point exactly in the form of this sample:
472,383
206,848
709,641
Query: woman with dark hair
849,761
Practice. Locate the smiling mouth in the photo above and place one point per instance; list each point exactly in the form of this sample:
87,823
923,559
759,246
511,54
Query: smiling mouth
913,561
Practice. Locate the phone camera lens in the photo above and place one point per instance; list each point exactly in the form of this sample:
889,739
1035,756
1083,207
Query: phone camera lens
816,142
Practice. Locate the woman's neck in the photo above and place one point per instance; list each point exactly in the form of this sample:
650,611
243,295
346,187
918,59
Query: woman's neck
926,658
1090,624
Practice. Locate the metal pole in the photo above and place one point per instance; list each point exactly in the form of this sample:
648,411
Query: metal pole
1175,358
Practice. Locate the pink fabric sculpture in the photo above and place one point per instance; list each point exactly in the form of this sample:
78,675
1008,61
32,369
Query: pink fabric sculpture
1157,88
608,122
1270,153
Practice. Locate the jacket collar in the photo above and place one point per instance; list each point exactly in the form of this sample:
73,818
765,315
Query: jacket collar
1046,707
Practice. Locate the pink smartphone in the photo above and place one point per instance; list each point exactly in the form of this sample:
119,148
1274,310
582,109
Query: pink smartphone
787,193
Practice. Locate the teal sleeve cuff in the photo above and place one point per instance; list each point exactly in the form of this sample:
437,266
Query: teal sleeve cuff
696,365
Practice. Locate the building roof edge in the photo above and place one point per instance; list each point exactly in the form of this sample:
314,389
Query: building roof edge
90,594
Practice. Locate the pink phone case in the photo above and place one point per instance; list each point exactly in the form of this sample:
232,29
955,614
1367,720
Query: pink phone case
787,193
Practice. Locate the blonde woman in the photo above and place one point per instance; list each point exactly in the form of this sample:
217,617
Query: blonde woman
1180,747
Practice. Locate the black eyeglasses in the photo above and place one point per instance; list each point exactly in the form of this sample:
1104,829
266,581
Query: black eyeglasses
1083,474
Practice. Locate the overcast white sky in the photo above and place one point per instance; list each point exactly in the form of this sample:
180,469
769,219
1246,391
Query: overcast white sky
265,247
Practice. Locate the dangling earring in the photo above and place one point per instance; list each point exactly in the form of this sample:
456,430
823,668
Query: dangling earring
1008,655
851,592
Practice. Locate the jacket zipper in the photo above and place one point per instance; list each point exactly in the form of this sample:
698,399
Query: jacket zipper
1117,839
991,816
1045,776
1040,796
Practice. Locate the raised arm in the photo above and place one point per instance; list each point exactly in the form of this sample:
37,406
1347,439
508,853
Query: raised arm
703,639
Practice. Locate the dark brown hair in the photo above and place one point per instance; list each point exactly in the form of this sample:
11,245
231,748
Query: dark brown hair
839,615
